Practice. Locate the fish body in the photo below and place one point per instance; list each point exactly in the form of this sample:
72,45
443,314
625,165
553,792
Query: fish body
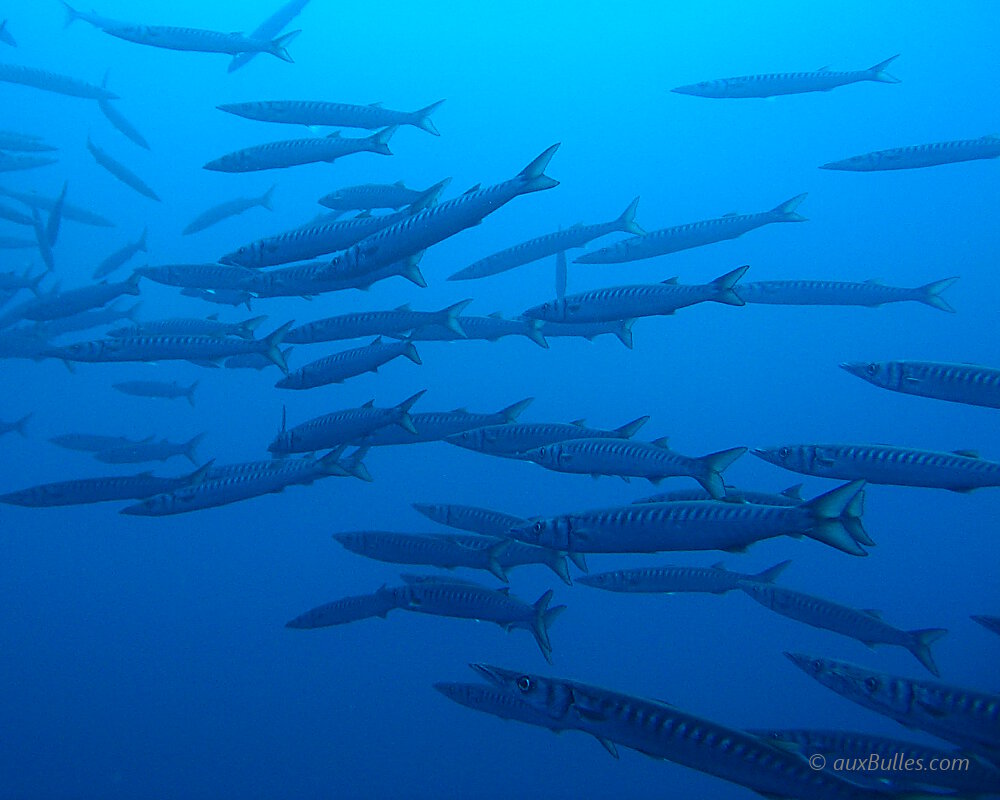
52,82
969,384
199,276
346,364
120,257
375,323
619,328
433,426
83,321
223,211
140,452
921,155
197,40
296,152
483,521
487,329
24,142
513,441
69,211
11,163
94,443
791,496
121,172
17,426
169,391
369,196
56,305
347,610
871,293
990,623
822,80
674,579
693,234
315,113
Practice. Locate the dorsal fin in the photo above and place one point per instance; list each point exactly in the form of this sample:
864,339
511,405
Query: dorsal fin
580,423
496,315
375,105
670,281
404,307
873,612
213,317
460,410
400,184
334,135
967,453
369,404
875,282
663,441
473,189
719,565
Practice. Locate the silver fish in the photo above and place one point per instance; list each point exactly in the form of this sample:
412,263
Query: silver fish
295,152
957,383
52,82
674,578
231,208
872,293
197,40
921,155
314,113
121,172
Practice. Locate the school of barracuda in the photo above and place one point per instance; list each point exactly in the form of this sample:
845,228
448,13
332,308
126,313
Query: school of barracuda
332,254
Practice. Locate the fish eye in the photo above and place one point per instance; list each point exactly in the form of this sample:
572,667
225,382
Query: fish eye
872,369
785,452
817,666
871,684
525,684
541,452
538,527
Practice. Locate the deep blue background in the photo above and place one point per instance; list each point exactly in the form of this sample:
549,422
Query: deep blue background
148,658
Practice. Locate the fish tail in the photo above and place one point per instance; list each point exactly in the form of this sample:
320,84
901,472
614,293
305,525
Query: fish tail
271,344
449,317
190,449
410,269
624,332
930,294
579,559
72,15
539,624
533,176
770,574
556,562
630,429
534,332
405,421
278,47
132,283
832,512
246,329
920,646
34,283
786,211
514,410
265,199
410,351
130,314
879,74
428,197
723,286
422,118
380,141
626,221
713,466
189,394
493,564
20,425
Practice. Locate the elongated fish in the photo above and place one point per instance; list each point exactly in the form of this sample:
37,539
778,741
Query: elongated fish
628,459
168,391
269,29
415,234
990,623
960,471
347,610
433,426
966,717
340,427
100,490
872,293
42,239
921,155
52,82
488,329
17,426
502,704
121,256
200,276
549,245
295,152
85,320
120,122
369,196
231,208
881,762
664,731
513,441
69,211
621,329
11,163
338,115
693,234
640,300
121,172
346,364
197,40
210,326
700,525
90,17
865,625
371,323
162,450
674,579
822,80
56,304
791,496
54,222
958,383
94,442
483,521
172,348
315,278
15,216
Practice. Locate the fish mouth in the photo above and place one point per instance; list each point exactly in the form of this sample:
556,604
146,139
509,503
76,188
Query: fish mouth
854,367
760,452
801,660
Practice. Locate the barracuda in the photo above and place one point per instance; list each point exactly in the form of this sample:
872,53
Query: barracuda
121,172
673,579
120,256
200,276
432,426
338,115
52,82
957,383
347,610
231,208
369,196
296,152
870,294
197,40
57,305
488,329
371,323
339,367
921,155
620,328
791,496
181,326
513,441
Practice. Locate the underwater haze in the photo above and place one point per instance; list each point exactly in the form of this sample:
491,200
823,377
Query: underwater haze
148,656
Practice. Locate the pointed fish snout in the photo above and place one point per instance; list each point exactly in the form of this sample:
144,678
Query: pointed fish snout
494,675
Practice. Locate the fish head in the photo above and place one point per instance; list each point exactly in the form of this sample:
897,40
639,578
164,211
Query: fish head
495,700
798,458
715,88
860,163
875,690
552,311
888,375
247,255
553,456
552,532
474,439
549,697
355,542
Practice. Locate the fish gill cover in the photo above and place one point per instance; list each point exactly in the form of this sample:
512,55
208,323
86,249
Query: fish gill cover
197,199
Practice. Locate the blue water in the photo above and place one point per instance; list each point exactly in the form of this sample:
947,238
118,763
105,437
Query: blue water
148,657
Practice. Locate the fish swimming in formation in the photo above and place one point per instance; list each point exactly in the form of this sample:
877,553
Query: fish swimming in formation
960,471
94,443
121,172
369,196
15,216
513,441
197,40
52,82
269,29
375,323
169,391
674,579
483,521
315,113
59,304
69,211
787,497
693,234
85,320
823,80
139,452
965,717
346,364
17,426
200,276
865,625
872,293
120,257
549,245
957,383
296,152
181,326
621,329
231,208
347,610
921,155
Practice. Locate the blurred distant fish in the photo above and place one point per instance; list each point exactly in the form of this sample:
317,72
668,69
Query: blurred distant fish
960,471
677,579
181,326
162,450
84,320
269,29
197,40
548,245
120,257
59,304
5,36
295,152
230,208
990,623
956,383
52,82
18,344
347,610
14,282
9,163
24,142
118,121
369,196
693,234
315,113
69,211
93,442
433,426
341,366
643,300
222,297
921,155
120,171
17,426
823,80
169,391
870,293
42,239
15,216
